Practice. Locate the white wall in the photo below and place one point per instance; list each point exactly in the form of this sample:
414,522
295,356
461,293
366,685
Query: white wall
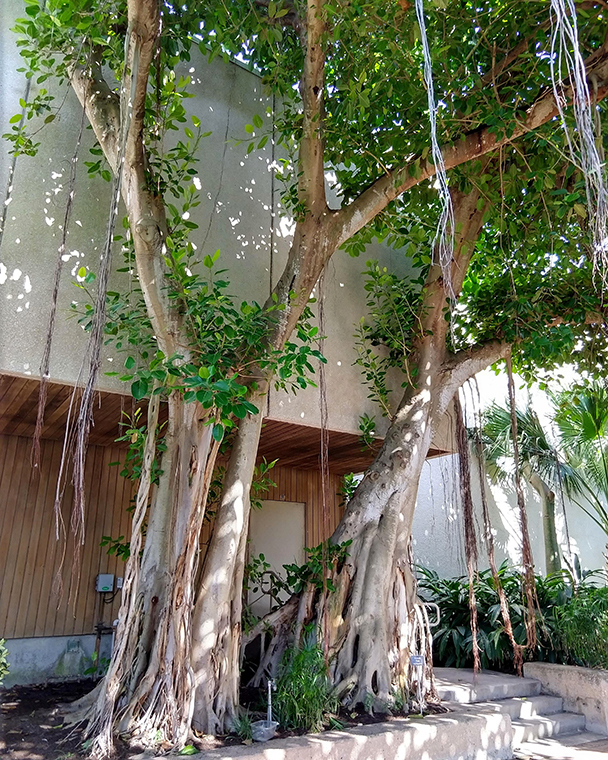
438,530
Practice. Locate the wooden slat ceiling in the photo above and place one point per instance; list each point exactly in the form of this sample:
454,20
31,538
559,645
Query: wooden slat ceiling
292,444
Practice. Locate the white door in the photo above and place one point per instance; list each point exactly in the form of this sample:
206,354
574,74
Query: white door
278,531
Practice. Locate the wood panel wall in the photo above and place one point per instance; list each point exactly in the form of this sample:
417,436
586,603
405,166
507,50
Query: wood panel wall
31,601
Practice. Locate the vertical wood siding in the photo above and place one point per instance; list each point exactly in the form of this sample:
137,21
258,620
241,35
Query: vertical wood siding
31,600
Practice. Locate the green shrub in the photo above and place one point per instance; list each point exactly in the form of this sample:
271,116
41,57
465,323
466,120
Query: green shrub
304,694
581,627
571,625
3,661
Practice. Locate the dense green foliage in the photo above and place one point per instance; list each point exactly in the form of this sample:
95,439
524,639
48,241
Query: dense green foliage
574,461
571,626
533,258
581,417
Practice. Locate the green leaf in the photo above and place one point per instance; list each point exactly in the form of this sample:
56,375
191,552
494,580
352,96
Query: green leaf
218,432
130,362
257,121
189,749
139,389
82,272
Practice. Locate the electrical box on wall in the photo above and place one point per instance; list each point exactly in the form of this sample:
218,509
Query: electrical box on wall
104,582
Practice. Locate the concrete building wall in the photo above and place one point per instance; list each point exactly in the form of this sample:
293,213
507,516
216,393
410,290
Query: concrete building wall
438,530
239,214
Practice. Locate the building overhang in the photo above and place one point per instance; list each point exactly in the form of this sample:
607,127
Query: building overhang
294,445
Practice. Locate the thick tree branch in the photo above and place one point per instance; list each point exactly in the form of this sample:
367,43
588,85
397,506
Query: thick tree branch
102,107
475,144
463,365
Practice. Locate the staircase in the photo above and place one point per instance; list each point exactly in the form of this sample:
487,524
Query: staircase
540,727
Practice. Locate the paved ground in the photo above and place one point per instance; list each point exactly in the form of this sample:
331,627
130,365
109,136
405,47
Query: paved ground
574,747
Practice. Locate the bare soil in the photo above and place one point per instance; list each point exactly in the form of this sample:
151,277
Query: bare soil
31,726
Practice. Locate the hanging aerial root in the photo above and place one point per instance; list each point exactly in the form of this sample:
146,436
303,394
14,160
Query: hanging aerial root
526,547
324,461
470,541
518,651
585,141
46,357
102,717
443,244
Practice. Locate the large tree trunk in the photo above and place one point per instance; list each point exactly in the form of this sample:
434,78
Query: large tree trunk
217,613
372,618
148,691
372,622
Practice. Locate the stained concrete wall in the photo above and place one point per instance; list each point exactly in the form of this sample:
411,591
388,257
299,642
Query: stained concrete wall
239,214
584,690
53,658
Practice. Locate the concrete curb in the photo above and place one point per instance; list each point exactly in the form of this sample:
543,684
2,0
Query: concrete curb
452,736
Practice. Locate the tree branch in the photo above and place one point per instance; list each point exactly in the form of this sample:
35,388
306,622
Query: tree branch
463,365
473,145
312,90
102,107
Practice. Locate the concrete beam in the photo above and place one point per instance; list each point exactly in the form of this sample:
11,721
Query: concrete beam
453,736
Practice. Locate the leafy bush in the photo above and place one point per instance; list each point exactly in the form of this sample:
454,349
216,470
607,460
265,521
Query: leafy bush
304,695
3,660
582,627
571,625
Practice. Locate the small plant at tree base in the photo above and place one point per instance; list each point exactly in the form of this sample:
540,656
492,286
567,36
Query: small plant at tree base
321,561
262,482
260,579
367,426
4,668
241,725
304,697
98,667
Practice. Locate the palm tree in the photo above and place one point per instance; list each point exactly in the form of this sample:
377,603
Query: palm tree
581,417
539,463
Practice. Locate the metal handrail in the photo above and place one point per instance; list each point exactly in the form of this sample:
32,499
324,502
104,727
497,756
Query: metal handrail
437,613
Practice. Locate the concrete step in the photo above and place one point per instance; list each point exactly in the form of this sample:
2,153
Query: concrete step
525,707
542,727
465,687
583,746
